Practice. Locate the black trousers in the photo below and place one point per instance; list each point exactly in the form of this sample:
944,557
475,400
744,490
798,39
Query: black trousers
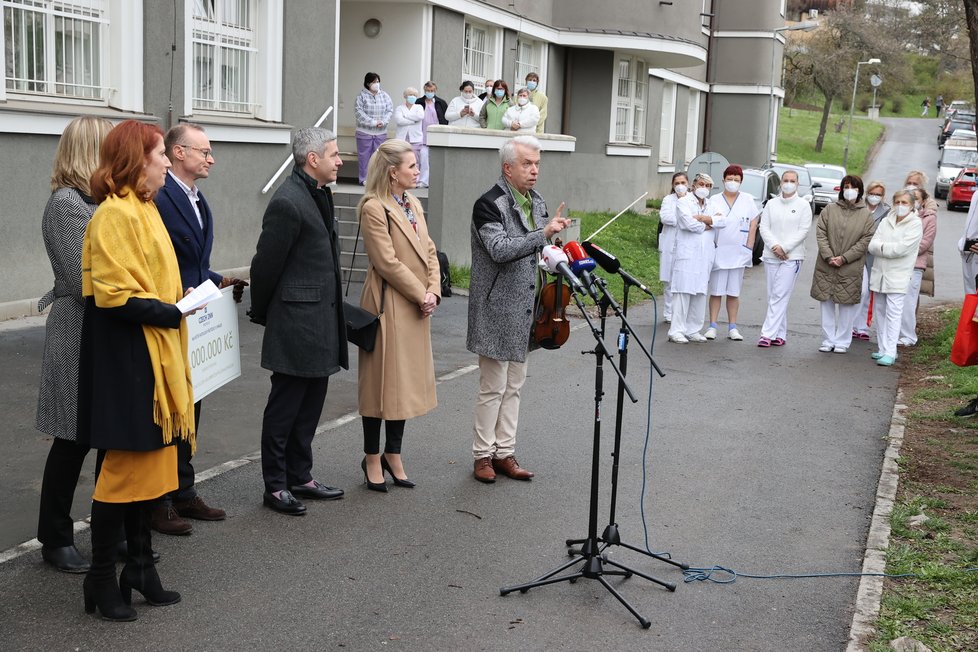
185,470
55,528
371,436
288,426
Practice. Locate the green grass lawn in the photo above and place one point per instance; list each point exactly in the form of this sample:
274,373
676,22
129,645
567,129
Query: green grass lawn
796,139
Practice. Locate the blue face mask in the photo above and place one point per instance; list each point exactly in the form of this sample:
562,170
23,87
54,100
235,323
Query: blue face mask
500,93
430,96
412,99
531,85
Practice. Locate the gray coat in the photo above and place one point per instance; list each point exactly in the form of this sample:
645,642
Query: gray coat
504,274
295,282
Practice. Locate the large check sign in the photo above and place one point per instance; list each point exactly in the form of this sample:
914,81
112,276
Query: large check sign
213,345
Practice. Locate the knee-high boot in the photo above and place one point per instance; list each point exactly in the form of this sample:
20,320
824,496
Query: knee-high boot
139,572
101,589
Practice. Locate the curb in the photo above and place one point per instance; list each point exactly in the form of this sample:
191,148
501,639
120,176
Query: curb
870,591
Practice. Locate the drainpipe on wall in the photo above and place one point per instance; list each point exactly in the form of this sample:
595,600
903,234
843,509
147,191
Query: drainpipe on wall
565,109
708,113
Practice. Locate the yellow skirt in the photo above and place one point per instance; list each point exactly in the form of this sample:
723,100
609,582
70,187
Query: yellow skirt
133,476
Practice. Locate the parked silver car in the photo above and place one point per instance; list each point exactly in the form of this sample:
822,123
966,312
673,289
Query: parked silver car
826,180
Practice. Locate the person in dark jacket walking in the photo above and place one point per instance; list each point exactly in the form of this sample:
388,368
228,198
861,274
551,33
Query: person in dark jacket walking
296,295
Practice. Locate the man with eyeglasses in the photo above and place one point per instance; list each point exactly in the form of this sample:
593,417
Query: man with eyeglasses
189,221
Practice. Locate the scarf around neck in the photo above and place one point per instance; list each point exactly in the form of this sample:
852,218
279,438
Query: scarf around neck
127,254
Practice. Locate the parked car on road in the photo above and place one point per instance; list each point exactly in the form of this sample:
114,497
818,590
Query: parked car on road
957,154
826,179
962,188
762,185
805,189
959,120
959,105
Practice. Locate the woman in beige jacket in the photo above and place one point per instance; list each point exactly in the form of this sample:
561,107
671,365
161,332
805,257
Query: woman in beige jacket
397,378
843,232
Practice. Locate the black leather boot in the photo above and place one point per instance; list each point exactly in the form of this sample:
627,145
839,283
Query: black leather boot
139,572
100,587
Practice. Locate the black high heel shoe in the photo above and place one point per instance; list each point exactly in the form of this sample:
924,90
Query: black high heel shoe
373,486
147,581
385,465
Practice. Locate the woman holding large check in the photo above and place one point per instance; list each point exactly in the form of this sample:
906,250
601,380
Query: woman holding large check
135,396
403,285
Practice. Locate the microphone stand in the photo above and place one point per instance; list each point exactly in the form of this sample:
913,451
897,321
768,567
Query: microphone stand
611,536
593,562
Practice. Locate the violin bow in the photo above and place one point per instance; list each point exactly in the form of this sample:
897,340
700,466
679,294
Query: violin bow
640,197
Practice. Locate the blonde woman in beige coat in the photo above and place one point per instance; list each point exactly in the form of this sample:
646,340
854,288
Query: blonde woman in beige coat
397,378
843,232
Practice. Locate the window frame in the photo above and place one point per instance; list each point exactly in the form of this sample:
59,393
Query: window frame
692,124
634,103
493,52
265,75
540,52
667,123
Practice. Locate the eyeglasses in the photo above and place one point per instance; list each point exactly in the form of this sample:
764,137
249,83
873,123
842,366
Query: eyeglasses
206,153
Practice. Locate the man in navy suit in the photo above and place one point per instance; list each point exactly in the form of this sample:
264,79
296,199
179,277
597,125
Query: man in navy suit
190,223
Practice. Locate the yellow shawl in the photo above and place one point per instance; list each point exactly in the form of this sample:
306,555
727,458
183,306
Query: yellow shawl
127,254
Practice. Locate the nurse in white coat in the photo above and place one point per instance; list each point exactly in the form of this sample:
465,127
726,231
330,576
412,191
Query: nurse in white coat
692,262
894,246
735,243
785,223
667,237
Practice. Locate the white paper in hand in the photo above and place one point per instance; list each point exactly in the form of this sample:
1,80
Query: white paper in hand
200,295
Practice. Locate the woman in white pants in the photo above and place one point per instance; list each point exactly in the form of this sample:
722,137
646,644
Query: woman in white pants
784,225
894,246
843,232
876,202
692,262
667,238
925,260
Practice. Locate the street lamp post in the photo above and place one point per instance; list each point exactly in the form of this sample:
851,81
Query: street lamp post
852,106
806,26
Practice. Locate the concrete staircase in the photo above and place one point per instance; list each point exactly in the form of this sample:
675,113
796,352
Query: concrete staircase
346,196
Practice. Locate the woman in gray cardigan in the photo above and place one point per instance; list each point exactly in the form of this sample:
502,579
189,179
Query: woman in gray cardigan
66,217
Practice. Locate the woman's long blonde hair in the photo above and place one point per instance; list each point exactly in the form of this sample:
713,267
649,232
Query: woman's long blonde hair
77,156
388,157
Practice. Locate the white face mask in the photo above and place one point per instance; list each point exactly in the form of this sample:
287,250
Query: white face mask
873,200
850,194
468,96
375,87
902,211
910,187
522,101
702,192
731,186
789,188
681,189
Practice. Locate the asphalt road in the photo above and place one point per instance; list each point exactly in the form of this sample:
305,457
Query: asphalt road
763,461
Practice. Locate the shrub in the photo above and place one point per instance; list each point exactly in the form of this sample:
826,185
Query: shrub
896,105
863,104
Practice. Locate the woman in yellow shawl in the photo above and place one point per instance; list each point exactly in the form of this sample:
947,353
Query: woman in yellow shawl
135,395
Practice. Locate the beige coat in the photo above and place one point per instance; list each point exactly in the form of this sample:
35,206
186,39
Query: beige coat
842,230
397,379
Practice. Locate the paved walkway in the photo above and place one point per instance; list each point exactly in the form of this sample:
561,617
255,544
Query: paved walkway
764,461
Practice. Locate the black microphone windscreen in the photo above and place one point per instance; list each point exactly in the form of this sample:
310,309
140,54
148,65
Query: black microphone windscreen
608,262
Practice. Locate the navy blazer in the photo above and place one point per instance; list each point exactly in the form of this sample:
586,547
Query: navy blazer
192,244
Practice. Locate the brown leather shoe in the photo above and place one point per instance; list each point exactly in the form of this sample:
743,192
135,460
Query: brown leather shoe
165,520
483,470
198,509
509,467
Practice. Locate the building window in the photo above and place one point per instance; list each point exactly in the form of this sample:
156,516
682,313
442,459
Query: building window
55,48
479,52
224,55
667,124
529,58
631,92
692,125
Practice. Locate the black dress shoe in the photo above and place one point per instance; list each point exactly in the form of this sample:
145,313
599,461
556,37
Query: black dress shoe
400,482
287,504
317,492
66,559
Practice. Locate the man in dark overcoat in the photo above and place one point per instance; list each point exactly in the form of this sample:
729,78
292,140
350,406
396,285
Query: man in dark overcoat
296,295
190,223
510,225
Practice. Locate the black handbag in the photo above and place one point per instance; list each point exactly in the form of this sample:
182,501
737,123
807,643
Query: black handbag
362,325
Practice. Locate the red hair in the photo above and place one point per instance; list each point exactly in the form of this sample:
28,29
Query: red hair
123,160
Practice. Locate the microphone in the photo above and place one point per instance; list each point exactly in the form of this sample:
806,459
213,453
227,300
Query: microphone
554,261
610,263
582,264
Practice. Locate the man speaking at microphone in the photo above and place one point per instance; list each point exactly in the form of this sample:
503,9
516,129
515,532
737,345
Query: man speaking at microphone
509,226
